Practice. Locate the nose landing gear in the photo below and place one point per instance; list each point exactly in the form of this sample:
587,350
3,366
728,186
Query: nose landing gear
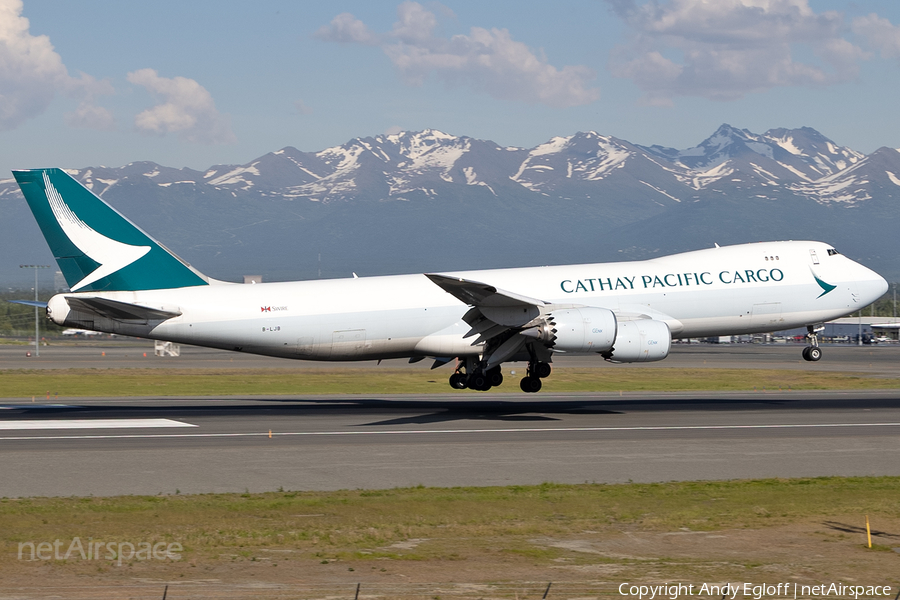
812,352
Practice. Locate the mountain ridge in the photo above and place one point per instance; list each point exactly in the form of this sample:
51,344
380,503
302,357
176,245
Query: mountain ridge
461,202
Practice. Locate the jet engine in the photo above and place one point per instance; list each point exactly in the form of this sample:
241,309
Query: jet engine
577,330
644,340
588,330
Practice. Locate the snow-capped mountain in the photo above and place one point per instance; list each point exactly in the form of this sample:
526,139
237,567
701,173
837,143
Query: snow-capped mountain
420,164
777,157
429,200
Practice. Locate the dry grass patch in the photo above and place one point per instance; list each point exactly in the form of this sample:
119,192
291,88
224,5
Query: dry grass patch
805,529
441,522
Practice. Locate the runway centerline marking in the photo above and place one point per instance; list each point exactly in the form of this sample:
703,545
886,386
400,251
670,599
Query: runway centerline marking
16,425
387,432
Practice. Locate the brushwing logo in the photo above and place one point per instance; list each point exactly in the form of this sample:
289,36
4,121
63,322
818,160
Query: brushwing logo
110,254
826,287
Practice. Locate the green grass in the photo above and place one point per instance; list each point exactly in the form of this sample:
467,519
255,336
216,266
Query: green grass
444,523
199,382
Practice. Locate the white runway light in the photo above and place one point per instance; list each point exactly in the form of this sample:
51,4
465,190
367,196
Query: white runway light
91,424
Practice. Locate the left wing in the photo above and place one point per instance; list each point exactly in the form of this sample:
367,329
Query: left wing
505,322
476,293
497,316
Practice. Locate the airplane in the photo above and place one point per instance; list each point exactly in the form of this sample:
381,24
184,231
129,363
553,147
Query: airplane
123,281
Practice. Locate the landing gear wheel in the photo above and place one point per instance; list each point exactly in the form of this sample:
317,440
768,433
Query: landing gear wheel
479,381
541,370
530,384
495,376
458,381
812,353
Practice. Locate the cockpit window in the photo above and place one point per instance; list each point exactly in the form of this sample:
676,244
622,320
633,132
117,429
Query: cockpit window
832,252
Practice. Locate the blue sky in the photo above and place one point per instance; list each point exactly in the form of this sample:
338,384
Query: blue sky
199,83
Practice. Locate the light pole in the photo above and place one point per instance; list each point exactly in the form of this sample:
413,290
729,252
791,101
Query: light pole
37,351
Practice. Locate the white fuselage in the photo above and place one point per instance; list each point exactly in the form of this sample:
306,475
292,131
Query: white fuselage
720,291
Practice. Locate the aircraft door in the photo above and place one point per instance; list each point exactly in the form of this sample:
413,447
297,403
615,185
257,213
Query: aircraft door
766,315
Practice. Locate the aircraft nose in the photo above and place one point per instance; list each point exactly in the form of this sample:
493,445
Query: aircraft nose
872,286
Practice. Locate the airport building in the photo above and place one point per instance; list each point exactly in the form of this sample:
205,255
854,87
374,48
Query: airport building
850,329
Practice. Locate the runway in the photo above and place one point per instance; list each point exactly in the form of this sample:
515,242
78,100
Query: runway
198,445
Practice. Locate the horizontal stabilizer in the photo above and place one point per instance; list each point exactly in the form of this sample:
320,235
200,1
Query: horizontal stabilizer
119,311
29,303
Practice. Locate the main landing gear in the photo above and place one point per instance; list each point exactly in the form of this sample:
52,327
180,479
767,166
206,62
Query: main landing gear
478,379
474,377
531,383
812,352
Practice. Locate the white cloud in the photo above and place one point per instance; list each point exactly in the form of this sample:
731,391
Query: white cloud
347,29
301,108
88,115
187,109
488,60
727,49
31,72
879,34
415,25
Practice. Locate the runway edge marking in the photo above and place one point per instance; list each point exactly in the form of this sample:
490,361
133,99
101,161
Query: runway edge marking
450,431
19,424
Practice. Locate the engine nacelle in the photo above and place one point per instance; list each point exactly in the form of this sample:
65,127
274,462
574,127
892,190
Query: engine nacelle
644,340
580,330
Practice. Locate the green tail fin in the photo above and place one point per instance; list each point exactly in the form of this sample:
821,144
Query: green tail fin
95,247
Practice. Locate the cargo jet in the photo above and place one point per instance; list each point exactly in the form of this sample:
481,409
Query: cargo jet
123,281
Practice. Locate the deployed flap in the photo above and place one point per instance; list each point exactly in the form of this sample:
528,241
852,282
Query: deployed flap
119,311
496,315
480,294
